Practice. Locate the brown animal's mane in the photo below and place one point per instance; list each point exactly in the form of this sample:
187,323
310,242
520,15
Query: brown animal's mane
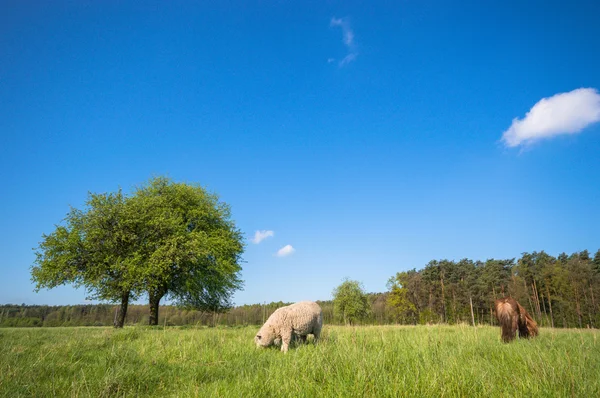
513,317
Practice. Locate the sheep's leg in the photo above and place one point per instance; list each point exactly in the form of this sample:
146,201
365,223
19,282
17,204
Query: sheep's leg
286,339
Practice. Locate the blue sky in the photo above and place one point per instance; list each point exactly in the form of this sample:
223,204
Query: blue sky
366,135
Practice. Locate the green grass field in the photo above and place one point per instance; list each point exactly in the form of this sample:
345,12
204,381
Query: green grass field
348,362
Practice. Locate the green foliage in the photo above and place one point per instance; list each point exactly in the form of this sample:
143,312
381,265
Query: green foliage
596,262
560,292
190,247
428,317
95,248
383,361
404,309
350,302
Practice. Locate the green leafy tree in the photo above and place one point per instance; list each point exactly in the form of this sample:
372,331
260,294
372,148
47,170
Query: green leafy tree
95,248
190,247
350,302
398,299
167,239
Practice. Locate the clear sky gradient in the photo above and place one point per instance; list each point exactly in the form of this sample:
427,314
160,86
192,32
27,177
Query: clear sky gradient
366,135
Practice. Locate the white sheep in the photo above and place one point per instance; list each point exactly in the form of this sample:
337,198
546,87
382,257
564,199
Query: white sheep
294,321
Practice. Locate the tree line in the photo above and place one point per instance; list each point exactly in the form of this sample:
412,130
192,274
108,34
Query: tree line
103,315
560,291
177,241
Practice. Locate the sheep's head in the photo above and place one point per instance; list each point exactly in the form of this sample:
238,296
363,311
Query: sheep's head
265,337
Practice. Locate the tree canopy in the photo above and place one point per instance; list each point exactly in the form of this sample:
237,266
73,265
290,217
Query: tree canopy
166,239
558,291
95,248
191,247
350,301
398,299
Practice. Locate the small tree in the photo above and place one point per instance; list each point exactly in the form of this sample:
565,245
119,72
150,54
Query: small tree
350,302
404,310
95,248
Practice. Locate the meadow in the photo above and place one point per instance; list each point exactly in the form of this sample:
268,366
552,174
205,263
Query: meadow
371,361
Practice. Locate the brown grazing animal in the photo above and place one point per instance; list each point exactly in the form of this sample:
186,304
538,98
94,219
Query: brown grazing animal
512,317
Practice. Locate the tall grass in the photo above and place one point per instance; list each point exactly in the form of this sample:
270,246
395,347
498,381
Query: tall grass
378,361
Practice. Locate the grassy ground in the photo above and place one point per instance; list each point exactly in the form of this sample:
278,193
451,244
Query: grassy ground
349,362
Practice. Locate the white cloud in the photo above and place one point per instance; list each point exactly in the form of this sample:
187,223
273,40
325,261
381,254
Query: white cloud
564,113
348,39
259,236
347,59
285,251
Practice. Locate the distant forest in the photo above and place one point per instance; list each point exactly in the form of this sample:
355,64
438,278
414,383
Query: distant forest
562,291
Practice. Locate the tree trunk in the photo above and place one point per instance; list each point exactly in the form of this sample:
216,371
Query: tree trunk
431,299
537,299
454,314
578,307
544,304
472,316
593,301
120,318
444,317
591,324
155,297
528,297
550,305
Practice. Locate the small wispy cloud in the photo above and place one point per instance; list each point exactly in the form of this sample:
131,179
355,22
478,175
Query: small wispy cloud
285,251
347,38
347,59
563,113
259,236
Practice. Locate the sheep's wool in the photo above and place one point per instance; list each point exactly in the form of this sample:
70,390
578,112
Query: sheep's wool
294,321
